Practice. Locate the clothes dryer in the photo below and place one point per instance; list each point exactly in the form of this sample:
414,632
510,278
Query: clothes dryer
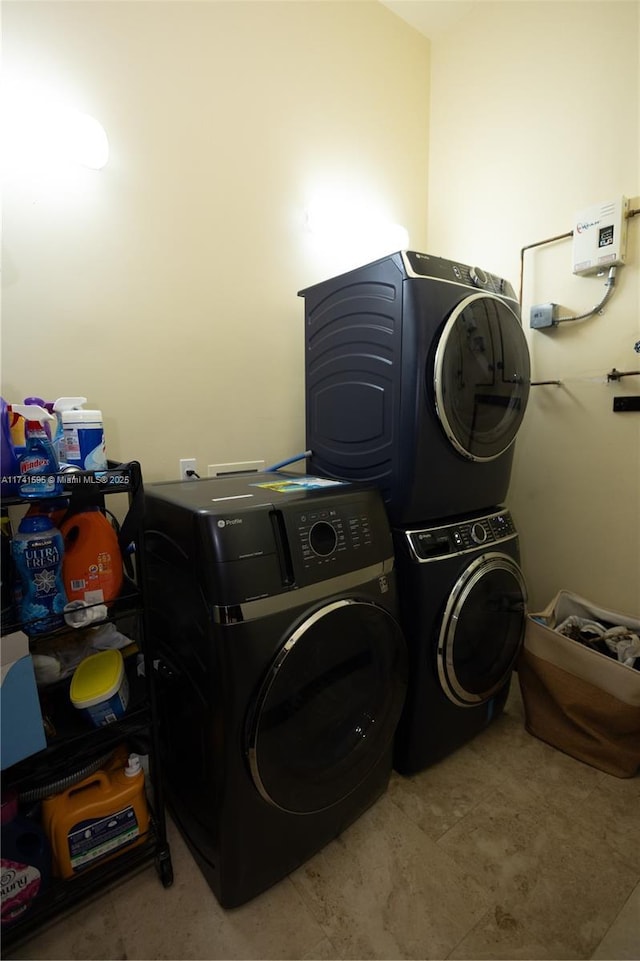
282,668
463,600
417,378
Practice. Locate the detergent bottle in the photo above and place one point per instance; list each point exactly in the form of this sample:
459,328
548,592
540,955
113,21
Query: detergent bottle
98,817
82,434
26,860
92,566
37,463
37,551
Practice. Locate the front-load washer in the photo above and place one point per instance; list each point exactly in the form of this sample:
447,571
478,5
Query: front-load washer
417,378
462,600
281,666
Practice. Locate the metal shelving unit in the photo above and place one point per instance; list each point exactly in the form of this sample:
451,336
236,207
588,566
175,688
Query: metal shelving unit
72,745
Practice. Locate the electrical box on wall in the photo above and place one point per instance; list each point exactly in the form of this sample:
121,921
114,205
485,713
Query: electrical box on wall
600,236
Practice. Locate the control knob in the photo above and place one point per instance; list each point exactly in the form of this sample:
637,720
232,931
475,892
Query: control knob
478,277
478,533
323,539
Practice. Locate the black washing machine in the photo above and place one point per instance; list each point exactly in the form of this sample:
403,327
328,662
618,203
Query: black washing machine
282,669
417,379
463,603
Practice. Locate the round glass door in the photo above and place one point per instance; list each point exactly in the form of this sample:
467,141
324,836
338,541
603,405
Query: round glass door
328,707
482,630
481,377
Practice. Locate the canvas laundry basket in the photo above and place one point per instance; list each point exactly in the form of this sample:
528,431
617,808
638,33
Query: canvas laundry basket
583,702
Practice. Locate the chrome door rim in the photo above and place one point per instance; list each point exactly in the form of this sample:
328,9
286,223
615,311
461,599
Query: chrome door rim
437,375
267,683
459,595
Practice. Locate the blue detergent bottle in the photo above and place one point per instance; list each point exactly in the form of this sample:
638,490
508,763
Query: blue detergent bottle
37,464
38,549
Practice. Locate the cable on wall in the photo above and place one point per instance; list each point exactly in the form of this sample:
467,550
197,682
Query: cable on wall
609,284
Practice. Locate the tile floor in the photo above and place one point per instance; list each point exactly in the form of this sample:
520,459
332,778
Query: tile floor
506,849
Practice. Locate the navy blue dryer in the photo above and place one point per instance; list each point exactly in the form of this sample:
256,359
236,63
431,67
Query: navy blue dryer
417,379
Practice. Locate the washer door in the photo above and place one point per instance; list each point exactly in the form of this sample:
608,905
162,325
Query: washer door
482,630
328,707
481,377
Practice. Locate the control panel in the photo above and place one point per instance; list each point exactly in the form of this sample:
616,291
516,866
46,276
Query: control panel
437,268
327,534
459,538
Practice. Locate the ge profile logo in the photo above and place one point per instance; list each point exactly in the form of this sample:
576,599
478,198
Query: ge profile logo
230,522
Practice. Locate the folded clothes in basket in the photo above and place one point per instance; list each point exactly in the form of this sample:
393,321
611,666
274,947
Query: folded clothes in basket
616,641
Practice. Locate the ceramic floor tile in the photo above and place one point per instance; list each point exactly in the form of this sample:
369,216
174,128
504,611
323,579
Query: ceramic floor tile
89,933
438,797
323,951
609,815
385,890
185,921
541,865
501,935
547,771
622,940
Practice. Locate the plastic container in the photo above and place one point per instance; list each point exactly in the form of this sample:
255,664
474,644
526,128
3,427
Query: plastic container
92,567
95,819
82,434
25,866
38,550
100,688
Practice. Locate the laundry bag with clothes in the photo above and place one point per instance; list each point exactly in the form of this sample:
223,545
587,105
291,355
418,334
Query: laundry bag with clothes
579,674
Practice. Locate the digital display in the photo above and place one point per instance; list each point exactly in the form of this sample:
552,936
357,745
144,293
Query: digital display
605,236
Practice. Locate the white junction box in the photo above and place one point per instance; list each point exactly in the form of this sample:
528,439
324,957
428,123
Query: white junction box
600,237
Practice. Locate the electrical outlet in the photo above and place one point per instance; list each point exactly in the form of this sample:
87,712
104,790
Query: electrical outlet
186,464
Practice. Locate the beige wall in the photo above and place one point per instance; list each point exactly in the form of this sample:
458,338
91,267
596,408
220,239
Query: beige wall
164,287
534,116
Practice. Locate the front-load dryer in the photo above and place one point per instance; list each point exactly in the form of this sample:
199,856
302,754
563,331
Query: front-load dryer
462,600
281,666
416,378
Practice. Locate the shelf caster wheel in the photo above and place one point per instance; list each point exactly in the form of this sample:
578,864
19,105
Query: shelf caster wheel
164,868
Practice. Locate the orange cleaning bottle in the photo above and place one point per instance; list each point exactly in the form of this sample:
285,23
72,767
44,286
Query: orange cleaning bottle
92,564
97,818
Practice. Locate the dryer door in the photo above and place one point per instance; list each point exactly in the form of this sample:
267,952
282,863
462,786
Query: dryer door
329,705
482,629
481,377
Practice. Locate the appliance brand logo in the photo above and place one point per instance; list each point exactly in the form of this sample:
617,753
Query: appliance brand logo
581,226
230,522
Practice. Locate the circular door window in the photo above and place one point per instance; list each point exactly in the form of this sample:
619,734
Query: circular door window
481,377
482,630
328,707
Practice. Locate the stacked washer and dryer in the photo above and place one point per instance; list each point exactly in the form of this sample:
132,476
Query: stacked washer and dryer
417,379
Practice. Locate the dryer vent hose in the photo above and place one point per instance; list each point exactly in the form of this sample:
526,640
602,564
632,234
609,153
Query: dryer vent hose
55,787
